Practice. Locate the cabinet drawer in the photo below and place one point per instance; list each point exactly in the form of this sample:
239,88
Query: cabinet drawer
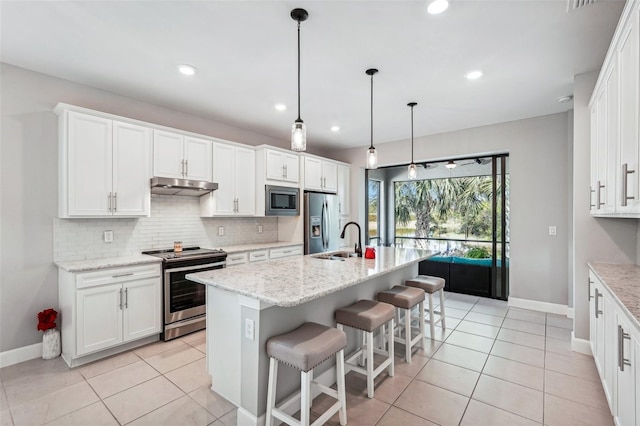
259,256
116,275
237,259
278,253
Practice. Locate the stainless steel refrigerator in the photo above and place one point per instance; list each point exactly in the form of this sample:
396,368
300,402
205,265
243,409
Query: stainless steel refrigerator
321,227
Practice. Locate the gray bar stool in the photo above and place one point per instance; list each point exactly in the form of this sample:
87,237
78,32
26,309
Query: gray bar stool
305,348
430,285
367,316
405,299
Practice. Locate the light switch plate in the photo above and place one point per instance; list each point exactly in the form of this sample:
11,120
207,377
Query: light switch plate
552,230
221,230
249,328
259,229
107,236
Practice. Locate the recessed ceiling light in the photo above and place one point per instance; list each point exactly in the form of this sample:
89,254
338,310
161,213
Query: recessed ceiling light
473,75
437,6
187,69
565,99
280,107
335,128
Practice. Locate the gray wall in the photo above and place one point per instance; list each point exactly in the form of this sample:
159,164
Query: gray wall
29,175
538,160
604,240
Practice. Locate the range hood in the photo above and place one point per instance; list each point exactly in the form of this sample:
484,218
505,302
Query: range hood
172,186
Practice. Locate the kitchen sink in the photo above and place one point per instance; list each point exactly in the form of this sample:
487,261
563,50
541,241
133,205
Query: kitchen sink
340,255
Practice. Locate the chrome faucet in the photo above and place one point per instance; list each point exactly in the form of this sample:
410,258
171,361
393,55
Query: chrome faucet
358,248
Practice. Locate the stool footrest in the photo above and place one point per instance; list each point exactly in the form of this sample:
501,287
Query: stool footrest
376,371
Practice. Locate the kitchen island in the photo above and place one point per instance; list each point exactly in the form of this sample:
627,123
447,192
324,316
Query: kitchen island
248,304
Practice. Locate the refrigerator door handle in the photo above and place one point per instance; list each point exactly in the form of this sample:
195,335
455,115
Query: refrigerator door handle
328,226
324,245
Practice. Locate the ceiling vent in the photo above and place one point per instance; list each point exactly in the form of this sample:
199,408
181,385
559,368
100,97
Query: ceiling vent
577,4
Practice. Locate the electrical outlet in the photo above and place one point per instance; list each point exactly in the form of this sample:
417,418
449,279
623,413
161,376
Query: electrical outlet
107,236
249,328
259,229
552,230
221,230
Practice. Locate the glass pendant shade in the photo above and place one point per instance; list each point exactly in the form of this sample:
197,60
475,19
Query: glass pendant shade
372,158
298,136
450,165
412,171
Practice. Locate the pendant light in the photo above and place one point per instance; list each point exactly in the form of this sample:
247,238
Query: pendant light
372,154
412,167
450,165
298,129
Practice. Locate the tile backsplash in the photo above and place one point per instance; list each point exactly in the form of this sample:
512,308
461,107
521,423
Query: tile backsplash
173,218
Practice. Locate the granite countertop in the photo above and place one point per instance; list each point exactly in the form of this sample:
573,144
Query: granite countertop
295,280
107,262
237,248
624,283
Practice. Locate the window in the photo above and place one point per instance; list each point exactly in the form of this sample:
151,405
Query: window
373,226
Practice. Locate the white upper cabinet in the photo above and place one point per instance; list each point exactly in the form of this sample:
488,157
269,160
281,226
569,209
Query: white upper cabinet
320,174
131,169
615,177
629,175
197,158
182,157
281,166
234,172
344,179
104,167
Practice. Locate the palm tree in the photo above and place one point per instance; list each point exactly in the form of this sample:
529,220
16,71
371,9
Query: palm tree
437,199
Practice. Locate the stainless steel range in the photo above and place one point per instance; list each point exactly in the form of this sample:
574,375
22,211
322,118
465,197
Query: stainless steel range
184,300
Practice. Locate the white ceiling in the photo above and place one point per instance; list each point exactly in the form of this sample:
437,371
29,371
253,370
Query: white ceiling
245,52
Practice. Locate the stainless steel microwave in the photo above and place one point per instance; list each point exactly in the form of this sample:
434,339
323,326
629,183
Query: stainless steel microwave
282,201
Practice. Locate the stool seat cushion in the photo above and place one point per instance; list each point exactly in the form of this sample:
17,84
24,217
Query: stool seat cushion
365,315
402,297
307,346
426,282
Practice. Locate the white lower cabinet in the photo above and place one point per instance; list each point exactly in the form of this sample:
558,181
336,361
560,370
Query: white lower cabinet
263,255
106,308
615,344
628,373
280,252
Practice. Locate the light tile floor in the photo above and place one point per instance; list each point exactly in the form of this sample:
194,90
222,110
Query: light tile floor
493,365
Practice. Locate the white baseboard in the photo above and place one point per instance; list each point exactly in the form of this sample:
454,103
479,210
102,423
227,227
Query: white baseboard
580,345
534,305
25,353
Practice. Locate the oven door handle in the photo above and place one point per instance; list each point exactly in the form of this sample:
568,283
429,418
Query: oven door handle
187,268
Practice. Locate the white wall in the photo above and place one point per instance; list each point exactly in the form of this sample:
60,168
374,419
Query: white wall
604,240
538,161
29,175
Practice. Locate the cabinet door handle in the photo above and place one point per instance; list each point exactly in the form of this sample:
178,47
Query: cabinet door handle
186,168
599,195
622,361
126,298
122,275
598,311
286,172
590,282
591,191
625,180
109,202
120,299
115,202
182,167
